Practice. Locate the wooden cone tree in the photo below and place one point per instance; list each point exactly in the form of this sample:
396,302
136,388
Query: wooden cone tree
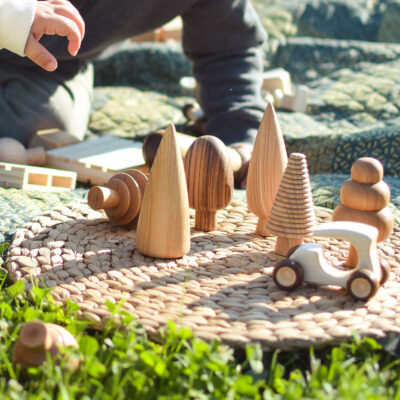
292,215
163,229
365,198
267,164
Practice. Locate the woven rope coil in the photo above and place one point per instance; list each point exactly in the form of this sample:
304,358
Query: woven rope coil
223,289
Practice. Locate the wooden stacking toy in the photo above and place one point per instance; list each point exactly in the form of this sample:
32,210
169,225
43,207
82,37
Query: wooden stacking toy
163,229
36,339
292,215
13,151
365,198
121,197
267,164
209,179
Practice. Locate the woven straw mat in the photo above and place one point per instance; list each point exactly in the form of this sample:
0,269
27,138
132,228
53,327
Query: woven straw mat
223,289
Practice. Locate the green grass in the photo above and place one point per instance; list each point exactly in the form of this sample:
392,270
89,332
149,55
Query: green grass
122,363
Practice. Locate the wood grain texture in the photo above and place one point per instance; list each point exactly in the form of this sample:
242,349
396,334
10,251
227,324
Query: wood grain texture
209,179
163,229
267,164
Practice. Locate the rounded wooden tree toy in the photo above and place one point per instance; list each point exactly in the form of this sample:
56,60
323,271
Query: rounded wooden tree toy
36,339
13,151
163,229
365,198
267,164
121,197
209,177
292,215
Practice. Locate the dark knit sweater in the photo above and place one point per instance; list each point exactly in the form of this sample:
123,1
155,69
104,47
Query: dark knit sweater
220,37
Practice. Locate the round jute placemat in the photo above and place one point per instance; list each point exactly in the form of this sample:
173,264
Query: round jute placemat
223,289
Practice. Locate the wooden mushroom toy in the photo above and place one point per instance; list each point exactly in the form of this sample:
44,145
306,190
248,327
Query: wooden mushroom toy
209,179
121,197
267,164
365,198
163,229
292,215
36,339
13,151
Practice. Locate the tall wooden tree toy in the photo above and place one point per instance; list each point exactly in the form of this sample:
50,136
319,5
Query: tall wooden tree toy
163,229
365,198
267,164
209,177
292,215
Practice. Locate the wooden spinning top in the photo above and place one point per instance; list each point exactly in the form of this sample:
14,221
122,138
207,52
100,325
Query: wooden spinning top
209,178
163,229
267,164
121,197
292,215
365,198
13,151
38,338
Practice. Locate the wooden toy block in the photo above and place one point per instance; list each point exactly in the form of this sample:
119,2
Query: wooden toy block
97,161
277,78
365,198
292,215
209,179
307,263
152,142
36,178
13,151
163,229
267,164
295,101
52,139
37,339
121,197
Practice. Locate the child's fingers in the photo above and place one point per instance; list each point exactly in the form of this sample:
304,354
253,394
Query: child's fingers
67,10
39,54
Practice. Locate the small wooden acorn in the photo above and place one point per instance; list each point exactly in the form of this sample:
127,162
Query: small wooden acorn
13,151
209,179
292,215
121,197
267,164
163,229
365,198
36,339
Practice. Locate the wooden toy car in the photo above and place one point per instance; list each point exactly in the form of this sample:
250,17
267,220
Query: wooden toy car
307,262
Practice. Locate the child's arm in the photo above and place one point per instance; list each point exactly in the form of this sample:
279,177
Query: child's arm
24,22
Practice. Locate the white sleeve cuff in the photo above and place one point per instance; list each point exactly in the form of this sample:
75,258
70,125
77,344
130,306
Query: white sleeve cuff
16,17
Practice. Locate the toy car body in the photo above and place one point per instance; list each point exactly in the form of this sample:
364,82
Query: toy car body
307,262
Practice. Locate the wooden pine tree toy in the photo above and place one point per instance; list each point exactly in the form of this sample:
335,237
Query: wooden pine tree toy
267,164
13,151
36,339
365,198
163,229
209,177
121,197
292,215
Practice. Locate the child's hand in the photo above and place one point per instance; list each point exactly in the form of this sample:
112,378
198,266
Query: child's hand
54,17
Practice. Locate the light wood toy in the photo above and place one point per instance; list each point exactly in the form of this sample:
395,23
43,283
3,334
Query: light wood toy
36,178
13,151
52,139
308,264
267,164
121,197
37,339
292,215
209,179
170,31
365,198
152,142
163,229
96,161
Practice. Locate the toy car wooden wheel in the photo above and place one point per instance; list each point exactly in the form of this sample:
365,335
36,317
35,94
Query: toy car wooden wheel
288,274
362,285
385,272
